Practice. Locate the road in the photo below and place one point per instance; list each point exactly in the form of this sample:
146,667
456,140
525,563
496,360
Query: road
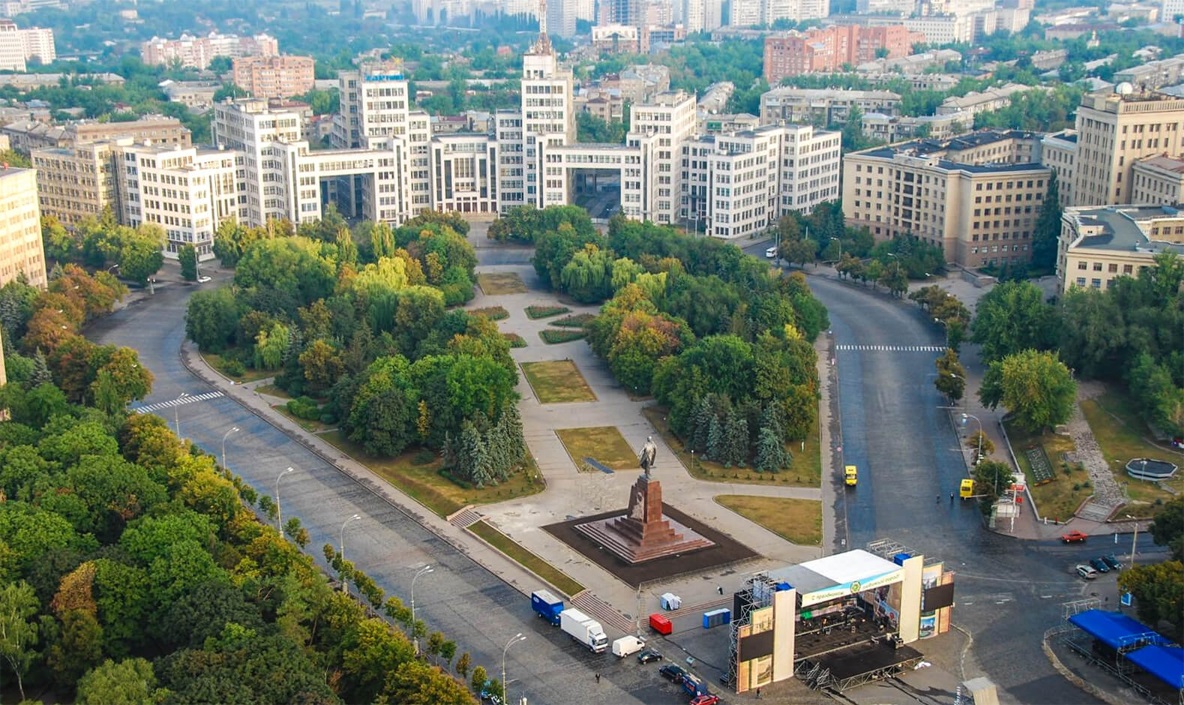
460,597
1008,591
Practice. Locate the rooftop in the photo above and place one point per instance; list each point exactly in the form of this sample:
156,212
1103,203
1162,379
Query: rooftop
1165,163
1122,228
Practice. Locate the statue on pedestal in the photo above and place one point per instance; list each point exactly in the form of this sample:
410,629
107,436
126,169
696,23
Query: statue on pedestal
649,455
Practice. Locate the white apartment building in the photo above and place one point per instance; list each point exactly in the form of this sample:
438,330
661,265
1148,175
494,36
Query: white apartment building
979,212
749,13
547,120
197,52
658,129
20,46
902,8
21,251
187,191
250,127
740,184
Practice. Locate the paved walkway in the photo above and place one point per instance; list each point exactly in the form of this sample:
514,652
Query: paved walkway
571,493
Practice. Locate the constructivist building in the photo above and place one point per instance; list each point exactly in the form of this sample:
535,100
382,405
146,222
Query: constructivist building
977,197
840,621
21,251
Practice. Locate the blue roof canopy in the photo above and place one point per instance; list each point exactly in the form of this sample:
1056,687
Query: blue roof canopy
1164,662
1115,629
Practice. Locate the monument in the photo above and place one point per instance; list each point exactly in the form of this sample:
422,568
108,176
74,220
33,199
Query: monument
643,532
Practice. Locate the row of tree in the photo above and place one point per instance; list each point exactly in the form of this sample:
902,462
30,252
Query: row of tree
1132,333
102,243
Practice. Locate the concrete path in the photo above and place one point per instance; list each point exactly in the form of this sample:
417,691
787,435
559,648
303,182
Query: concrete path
571,493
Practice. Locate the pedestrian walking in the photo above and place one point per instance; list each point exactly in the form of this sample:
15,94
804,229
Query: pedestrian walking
758,693
938,500
598,677
951,498
720,588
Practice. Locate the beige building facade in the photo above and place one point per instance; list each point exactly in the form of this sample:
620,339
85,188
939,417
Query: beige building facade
274,76
980,214
1100,244
78,183
1159,180
21,251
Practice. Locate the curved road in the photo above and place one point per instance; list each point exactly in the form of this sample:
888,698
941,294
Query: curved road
460,598
1008,591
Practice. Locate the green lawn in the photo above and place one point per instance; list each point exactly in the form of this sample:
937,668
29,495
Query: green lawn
310,426
555,336
1060,498
806,470
1121,435
423,482
557,382
272,390
604,444
798,521
526,559
249,375
501,283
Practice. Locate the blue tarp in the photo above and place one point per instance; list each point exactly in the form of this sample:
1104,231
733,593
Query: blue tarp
1164,662
1114,629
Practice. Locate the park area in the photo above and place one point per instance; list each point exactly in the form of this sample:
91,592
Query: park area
557,382
603,444
1058,487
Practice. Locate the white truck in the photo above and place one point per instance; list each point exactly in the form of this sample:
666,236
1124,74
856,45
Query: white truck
627,645
583,629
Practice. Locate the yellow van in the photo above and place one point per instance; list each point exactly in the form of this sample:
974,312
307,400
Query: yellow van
850,475
966,489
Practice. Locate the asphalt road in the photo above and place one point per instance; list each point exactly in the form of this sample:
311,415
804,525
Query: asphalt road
460,598
1008,591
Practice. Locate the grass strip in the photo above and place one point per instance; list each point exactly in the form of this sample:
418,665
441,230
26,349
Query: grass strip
514,551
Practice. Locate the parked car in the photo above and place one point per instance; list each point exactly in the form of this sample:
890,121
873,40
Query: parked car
771,252
1111,562
1074,537
1086,572
648,655
706,700
672,672
203,279
1099,565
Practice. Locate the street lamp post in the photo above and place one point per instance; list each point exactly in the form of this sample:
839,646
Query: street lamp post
177,414
946,325
415,637
233,429
279,514
1135,540
978,456
341,545
513,640
114,266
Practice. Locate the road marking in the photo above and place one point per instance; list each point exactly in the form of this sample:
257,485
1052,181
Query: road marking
179,401
892,348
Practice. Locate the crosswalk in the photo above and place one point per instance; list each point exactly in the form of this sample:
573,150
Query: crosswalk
187,399
892,348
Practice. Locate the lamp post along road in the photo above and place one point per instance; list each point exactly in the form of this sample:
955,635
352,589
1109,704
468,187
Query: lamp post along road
233,429
177,414
1135,540
979,454
513,640
341,545
415,637
279,514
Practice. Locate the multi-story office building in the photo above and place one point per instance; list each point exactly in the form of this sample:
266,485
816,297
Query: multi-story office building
804,105
1158,180
1116,130
1154,74
547,120
740,184
250,127
826,49
78,183
197,52
1100,244
21,251
975,102
1058,151
274,76
658,129
979,213
464,174
889,128
187,191
561,18
25,136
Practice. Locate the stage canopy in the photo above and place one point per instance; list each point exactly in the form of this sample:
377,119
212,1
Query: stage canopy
839,575
1164,662
1114,629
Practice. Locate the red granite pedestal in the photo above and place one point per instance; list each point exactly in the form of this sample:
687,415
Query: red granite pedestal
643,533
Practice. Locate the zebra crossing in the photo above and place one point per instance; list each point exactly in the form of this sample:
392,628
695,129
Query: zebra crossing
187,399
892,348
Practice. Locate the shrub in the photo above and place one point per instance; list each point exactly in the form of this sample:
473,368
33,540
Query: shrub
493,313
233,367
579,320
304,408
536,312
516,341
552,336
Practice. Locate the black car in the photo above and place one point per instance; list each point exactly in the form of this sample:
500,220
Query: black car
648,655
1099,565
672,672
1112,562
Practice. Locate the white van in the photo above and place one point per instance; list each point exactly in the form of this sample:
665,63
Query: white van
627,645
771,252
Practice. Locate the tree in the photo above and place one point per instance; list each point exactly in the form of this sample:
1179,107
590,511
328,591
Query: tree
322,365
991,478
1094,332
979,441
1158,590
18,629
462,665
771,455
212,319
188,258
129,682
1013,317
1035,387
1047,230
478,679
140,253
951,376
1168,527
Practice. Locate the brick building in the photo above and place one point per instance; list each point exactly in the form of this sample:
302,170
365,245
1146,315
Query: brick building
827,49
